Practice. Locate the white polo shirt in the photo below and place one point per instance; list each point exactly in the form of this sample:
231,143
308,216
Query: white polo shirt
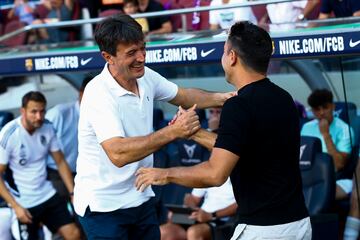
216,198
107,110
65,119
225,18
26,157
284,12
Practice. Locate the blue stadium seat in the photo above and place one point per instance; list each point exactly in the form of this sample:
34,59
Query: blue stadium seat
318,179
5,117
318,175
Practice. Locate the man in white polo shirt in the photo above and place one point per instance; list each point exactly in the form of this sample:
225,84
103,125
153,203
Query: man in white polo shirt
25,143
116,134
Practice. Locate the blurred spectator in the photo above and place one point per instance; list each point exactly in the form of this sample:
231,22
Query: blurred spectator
288,12
93,6
23,9
343,8
218,204
25,143
132,7
214,119
157,25
61,10
224,19
333,132
65,119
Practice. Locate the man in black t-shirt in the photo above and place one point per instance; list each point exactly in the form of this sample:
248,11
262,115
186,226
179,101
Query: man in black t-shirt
159,24
257,145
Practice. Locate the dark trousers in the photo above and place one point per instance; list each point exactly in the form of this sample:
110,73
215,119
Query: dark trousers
137,223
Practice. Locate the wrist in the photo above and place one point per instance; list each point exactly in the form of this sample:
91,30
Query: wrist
301,17
213,216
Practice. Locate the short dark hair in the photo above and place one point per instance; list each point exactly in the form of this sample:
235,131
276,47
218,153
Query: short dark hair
120,28
252,44
32,96
135,2
320,97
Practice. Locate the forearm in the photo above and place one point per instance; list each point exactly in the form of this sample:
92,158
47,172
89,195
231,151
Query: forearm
198,176
324,15
165,28
310,7
339,160
5,194
214,27
11,14
205,138
202,98
128,150
66,176
228,211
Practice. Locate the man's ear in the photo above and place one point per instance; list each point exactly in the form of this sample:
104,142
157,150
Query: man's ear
107,57
233,57
22,111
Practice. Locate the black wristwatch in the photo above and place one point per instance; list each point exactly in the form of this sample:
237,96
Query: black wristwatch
213,215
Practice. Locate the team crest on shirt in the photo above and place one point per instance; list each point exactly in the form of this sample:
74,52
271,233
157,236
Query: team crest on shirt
43,140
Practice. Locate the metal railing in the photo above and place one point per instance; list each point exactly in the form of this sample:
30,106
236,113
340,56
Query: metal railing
80,22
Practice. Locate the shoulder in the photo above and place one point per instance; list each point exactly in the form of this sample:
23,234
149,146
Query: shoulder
152,77
235,102
47,124
339,123
149,73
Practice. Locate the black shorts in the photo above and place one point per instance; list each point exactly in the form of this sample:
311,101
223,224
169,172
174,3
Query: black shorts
53,214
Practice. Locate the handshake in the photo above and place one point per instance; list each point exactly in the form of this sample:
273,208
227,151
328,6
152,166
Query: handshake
185,123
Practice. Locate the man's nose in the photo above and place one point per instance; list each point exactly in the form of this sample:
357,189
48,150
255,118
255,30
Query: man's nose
140,57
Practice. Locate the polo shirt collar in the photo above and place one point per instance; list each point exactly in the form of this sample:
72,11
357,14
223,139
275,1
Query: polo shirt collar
113,84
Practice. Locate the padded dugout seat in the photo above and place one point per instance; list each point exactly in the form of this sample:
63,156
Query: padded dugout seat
318,179
5,117
19,39
318,175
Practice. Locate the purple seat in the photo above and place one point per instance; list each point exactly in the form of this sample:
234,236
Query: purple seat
17,40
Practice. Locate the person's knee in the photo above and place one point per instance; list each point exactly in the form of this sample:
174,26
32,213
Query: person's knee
70,232
193,233
172,232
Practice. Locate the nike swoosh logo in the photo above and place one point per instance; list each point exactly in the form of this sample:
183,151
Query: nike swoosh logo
353,44
204,54
86,61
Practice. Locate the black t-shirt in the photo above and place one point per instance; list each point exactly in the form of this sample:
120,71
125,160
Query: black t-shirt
261,126
155,22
